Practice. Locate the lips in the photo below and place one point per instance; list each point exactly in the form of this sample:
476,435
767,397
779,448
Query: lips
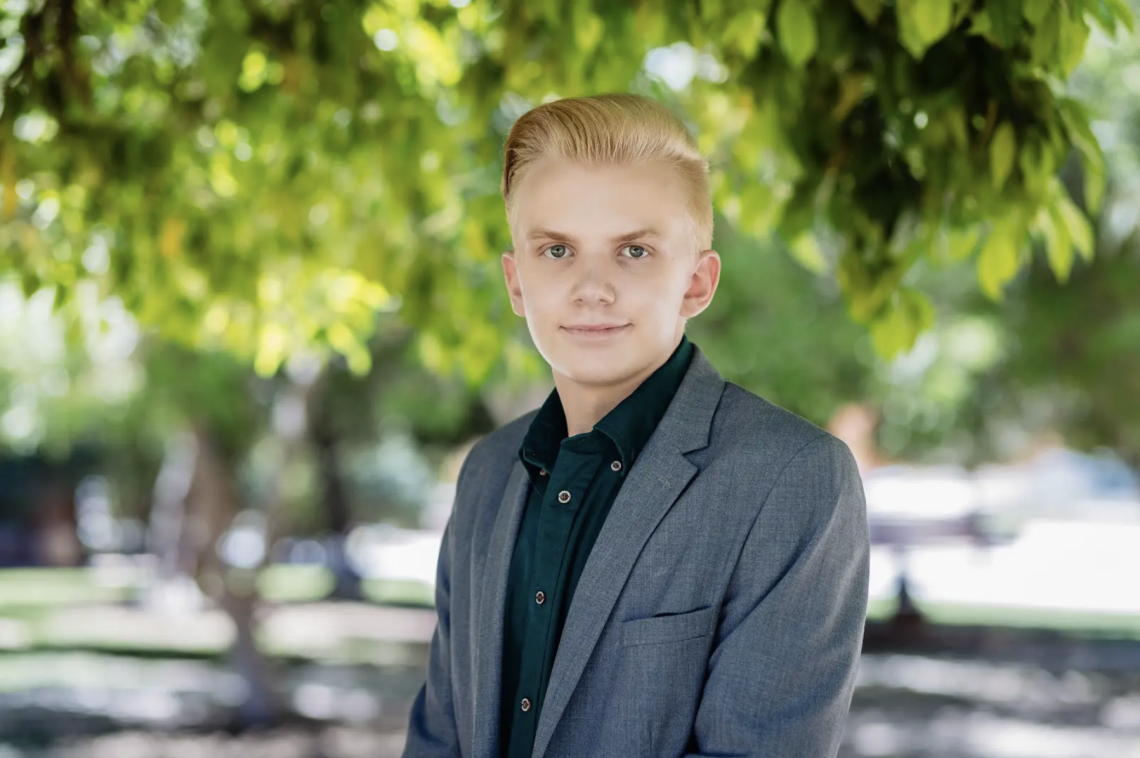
593,327
595,330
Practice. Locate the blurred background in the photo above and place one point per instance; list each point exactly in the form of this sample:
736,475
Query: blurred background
251,321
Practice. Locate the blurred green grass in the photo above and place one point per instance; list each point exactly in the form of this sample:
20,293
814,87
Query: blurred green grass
93,609
32,589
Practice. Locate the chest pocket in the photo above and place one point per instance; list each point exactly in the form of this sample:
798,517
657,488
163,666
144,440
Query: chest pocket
673,628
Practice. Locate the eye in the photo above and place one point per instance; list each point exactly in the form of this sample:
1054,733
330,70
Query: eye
637,252
557,252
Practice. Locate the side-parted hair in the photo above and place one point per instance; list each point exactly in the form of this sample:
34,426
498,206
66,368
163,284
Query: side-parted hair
610,130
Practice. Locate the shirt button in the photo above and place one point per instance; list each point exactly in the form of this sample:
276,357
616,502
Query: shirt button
564,497
542,472
615,466
540,598
525,705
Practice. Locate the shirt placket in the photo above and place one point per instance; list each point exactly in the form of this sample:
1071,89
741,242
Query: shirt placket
565,492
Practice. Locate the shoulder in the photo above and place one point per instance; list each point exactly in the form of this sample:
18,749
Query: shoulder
779,464
486,471
751,431
497,451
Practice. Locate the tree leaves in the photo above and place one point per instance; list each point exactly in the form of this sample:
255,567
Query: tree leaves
932,19
869,9
224,146
1005,21
1058,242
795,29
1034,11
909,315
1112,11
1075,223
923,22
1003,151
1074,33
1076,121
998,260
1064,229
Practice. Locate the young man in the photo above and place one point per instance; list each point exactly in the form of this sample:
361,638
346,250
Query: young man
657,562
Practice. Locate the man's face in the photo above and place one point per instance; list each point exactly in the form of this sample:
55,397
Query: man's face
604,268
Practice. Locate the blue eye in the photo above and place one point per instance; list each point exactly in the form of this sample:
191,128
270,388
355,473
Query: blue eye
637,252
557,252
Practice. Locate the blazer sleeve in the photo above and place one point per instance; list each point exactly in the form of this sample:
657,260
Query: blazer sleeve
432,730
782,671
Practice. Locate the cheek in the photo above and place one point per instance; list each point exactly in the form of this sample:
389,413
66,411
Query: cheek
540,295
659,293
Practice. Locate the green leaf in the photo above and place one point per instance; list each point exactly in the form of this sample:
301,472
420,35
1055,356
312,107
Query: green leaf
1074,36
1034,11
168,11
798,36
1038,170
964,8
1123,13
588,30
1111,13
757,208
998,260
805,249
1005,21
1058,243
891,333
980,24
1046,38
919,309
1076,121
1076,224
922,23
931,17
1003,152
898,326
711,11
852,89
869,9
961,243
745,32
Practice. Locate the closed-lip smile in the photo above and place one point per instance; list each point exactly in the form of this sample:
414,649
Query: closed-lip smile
594,330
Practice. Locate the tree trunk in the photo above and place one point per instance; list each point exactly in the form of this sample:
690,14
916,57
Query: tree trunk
323,436
214,503
262,705
167,537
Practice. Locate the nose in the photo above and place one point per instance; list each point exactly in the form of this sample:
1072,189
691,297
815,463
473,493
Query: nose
594,284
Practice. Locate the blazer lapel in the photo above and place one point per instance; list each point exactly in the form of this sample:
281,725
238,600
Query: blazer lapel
489,645
658,478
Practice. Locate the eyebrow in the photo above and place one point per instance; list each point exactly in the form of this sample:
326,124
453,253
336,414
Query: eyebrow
549,234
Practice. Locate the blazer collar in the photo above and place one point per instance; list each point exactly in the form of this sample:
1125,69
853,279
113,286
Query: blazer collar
686,425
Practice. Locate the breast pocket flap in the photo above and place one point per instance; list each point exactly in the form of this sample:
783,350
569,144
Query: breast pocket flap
672,628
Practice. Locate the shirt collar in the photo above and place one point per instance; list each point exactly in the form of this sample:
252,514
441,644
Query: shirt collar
629,425
540,446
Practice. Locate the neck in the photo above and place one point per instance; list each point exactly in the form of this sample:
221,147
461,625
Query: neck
587,404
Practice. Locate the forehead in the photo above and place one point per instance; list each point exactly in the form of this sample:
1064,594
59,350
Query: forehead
602,201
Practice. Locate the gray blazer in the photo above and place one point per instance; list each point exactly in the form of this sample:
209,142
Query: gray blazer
720,612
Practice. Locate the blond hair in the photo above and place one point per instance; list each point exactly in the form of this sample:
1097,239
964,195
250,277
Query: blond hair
610,130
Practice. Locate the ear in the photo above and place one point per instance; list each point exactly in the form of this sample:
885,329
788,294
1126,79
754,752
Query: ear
514,286
702,285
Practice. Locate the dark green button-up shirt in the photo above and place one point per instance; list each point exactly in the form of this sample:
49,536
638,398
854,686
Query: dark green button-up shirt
574,482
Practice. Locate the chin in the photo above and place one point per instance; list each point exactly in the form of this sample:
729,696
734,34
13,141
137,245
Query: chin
601,376
595,369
